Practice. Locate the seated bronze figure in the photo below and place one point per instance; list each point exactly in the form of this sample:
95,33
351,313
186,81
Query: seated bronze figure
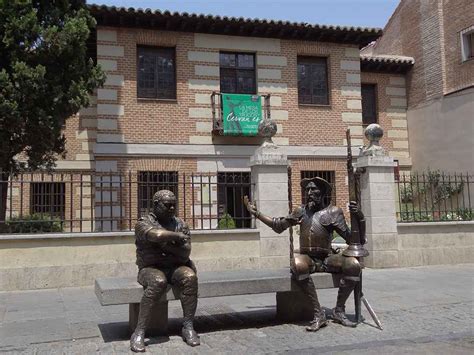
163,244
317,222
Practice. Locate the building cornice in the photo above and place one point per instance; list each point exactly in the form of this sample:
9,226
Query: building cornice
394,64
231,26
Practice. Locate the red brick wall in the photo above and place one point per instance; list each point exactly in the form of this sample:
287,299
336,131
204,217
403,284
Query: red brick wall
457,15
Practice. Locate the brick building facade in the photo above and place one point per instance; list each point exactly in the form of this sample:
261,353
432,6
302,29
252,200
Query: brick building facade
123,134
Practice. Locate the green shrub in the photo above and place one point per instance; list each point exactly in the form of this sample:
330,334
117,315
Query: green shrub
34,223
226,222
406,193
465,214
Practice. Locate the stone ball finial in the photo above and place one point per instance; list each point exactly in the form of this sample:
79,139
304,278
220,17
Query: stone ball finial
373,133
267,128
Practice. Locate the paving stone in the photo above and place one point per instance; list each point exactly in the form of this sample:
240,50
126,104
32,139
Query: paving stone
423,310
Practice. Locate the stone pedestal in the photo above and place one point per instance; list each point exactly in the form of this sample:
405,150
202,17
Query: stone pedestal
378,205
269,170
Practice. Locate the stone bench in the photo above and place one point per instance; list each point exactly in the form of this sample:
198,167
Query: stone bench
291,303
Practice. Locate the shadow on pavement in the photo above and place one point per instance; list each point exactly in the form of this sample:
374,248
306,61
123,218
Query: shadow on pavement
204,323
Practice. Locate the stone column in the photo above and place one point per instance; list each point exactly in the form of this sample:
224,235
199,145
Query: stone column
269,170
378,204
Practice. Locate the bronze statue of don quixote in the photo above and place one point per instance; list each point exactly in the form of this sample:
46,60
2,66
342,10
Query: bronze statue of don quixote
318,219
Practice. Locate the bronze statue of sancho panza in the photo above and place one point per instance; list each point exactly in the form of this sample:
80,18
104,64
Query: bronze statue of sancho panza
163,243
317,222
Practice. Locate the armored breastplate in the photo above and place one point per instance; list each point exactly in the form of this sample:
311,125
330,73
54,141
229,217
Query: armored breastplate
315,239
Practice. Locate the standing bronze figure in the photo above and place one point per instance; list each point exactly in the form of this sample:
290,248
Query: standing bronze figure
317,222
163,244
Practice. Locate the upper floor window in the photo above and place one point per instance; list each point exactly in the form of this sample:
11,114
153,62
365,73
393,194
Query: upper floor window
369,104
467,43
313,87
156,74
237,73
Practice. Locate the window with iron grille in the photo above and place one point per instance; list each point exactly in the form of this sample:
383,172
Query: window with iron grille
313,87
329,176
231,188
156,73
48,198
149,182
237,73
369,103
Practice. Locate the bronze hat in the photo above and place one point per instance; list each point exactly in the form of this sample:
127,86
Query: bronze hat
321,184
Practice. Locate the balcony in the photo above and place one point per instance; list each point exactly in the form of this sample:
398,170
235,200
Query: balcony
238,114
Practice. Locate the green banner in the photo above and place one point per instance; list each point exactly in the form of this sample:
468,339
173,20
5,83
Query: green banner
241,114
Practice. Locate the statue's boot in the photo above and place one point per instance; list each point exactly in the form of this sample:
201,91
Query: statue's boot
189,335
156,285
186,280
339,313
319,319
137,341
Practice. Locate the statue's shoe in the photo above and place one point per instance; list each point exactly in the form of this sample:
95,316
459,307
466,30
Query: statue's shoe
317,323
339,316
190,337
137,342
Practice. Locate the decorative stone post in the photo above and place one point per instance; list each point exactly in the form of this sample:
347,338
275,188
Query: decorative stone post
377,187
269,171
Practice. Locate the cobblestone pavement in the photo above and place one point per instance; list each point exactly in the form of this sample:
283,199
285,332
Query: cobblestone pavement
424,310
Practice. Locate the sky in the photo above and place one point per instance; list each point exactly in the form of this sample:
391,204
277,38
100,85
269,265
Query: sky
363,13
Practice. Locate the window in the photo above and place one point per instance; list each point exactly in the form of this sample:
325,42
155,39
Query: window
313,85
369,104
156,78
237,73
48,198
329,176
467,43
150,182
231,188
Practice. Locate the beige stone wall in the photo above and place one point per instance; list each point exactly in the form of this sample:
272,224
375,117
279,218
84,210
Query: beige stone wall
77,260
435,243
441,133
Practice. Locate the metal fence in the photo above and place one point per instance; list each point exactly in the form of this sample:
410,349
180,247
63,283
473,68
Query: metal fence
79,202
434,196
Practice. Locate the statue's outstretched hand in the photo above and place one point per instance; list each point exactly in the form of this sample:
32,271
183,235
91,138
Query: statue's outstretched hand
251,206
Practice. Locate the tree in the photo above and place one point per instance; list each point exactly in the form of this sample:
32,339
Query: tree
46,76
